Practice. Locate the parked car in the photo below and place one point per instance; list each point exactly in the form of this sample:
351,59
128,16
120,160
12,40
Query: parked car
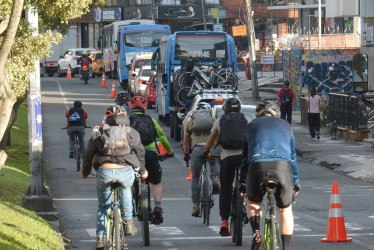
137,62
141,81
70,58
150,90
97,63
248,110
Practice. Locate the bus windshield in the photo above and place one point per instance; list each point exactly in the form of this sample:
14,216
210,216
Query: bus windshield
209,48
144,38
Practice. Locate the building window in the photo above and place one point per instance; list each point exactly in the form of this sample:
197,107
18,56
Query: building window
143,2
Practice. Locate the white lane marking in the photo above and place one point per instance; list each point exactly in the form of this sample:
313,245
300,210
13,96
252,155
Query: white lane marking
371,216
215,228
62,94
354,227
91,232
299,228
166,230
168,244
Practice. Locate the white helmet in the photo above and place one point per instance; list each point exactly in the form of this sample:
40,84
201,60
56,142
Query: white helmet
267,108
204,105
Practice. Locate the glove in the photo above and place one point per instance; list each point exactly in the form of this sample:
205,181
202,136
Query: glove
243,188
205,155
186,157
297,188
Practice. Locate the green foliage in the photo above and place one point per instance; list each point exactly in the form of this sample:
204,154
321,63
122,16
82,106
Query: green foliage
325,112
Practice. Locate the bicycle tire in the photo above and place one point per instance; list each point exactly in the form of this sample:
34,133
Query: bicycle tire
117,243
185,79
227,77
183,96
78,157
109,230
206,200
145,214
135,199
238,224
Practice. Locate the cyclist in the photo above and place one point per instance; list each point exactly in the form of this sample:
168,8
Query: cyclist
84,60
110,167
228,131
149,131
269,154
195,142
76,122
122,99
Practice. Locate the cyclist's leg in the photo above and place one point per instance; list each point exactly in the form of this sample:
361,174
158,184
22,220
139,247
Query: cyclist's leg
81,132
71,133
214,166
154,175
196,165
104,198
286,225
126,175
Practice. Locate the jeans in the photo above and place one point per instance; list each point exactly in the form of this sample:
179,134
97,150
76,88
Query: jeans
286,112
104,194
80,131
314,122
196,166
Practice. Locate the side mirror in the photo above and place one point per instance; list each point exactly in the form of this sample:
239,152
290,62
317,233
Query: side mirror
360,73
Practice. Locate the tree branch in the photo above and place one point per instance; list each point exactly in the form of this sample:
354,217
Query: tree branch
4,25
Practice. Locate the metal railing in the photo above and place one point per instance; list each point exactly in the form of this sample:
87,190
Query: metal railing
348,111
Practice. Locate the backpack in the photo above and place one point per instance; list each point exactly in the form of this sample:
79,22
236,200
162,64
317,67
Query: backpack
114,140
232,127
145,126
286,99
85,61
202,121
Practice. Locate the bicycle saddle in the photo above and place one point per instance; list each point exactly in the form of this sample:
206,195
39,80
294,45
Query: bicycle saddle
115,184
270,184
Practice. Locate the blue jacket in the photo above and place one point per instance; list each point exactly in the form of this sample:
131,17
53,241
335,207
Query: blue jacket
269,138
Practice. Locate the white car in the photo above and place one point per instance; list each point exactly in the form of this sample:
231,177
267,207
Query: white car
137,62
141,81
70,58
249,111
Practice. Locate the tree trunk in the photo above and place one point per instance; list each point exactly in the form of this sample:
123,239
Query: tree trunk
5,142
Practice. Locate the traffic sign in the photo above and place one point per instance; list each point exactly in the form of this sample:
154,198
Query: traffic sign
240,30
267,59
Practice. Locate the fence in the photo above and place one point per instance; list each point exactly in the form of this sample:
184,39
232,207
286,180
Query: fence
348,112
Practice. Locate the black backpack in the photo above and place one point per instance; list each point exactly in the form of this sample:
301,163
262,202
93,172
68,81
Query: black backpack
145,126
232,127
286,99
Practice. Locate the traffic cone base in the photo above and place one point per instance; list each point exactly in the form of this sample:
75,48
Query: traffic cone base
68,74
103,80
113,94
336,227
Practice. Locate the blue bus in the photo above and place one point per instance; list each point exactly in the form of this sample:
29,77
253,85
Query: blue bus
132,40
208,46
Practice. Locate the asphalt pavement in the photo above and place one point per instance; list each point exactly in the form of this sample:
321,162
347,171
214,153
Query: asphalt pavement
353,159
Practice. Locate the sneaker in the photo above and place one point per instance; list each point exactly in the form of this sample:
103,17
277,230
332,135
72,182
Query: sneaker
157,215
317,134
71,154
256,240
224,230
216,185
129,227
313,139
100,243
196,210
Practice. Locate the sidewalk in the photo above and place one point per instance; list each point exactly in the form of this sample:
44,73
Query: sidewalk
351,158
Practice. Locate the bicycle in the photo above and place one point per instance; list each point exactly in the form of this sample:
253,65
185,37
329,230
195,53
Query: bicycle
271,239
238,212
206,191
115,235
142,203
77,150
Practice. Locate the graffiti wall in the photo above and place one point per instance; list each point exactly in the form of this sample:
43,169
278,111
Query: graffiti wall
291,60
329,71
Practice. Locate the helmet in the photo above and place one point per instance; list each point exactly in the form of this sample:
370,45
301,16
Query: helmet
78,104
121,98
115,110
84,53
203,105
267,108
231,105
138,103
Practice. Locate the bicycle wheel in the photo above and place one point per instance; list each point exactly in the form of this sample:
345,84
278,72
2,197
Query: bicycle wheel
267,243
78,157
118,240
183,95
206,200
145,214
135,199
185,79
275,234
238,220
109,229
227,77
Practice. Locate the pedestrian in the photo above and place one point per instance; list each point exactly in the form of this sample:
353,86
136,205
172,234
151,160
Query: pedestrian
269,154
314,119
286,101
227,132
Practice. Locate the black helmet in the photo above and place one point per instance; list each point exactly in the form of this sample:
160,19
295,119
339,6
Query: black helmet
122,98
231,105
267,108
78,104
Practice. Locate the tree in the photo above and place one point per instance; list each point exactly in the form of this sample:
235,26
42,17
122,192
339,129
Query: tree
19,49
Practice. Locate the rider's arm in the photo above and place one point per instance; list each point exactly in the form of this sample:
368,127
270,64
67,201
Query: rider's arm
79,60
84,117
295,171
214,133
187,138
280,93
162,137
67,118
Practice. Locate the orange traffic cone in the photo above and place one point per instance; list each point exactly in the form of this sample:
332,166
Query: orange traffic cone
68,75
103,80
113,94
161,148
190,175
336,228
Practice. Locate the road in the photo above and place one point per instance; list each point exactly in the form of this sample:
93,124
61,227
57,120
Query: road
76,202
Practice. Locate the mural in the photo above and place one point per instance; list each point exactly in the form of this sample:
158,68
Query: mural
291,60
329,71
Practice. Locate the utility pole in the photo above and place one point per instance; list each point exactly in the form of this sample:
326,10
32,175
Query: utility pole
319,25
37,198
203,10
252,38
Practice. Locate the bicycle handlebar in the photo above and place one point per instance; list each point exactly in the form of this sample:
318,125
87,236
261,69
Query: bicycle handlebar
67,127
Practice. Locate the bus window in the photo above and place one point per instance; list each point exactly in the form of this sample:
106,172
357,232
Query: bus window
144,39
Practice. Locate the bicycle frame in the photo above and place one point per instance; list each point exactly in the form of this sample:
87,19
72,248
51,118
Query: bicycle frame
77,153
271,232
206,193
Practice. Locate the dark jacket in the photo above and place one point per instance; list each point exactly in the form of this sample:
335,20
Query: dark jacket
95,158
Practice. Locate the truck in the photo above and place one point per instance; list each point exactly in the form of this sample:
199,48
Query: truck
172,52
49,65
